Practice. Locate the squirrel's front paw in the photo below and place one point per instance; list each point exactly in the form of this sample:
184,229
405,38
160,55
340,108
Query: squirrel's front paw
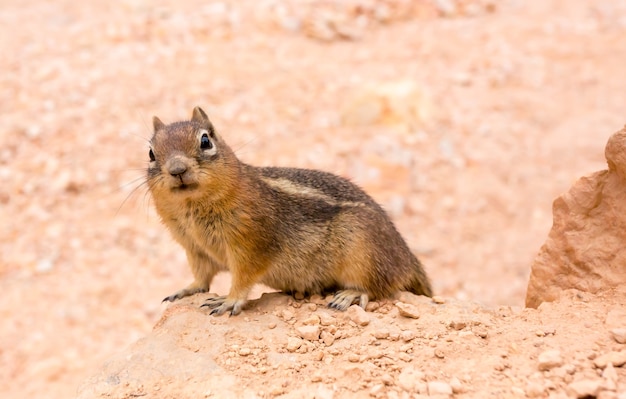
191,290
221,304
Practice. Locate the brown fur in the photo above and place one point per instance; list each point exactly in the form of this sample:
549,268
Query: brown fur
295,230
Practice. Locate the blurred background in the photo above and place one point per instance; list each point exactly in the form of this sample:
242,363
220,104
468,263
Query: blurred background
463,118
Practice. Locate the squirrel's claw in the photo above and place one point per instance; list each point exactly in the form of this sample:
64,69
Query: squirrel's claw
221,304
345,298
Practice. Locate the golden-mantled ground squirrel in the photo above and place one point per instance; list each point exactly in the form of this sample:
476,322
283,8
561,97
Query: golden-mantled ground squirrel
295,230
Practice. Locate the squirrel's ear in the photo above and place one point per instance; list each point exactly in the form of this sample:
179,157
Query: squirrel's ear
156,122
199,115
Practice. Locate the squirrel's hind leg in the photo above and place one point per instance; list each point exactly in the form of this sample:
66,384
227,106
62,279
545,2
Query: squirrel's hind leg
345,298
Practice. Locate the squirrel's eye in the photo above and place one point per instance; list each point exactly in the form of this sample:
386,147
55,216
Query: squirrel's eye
205,142
151,155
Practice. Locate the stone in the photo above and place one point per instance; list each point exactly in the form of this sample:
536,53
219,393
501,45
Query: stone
438,300
587,236
549,359
409,378
358,315
617,359
584,388
381,334
408,310
327,338
619,335
326,319
310,333
456,385
293,344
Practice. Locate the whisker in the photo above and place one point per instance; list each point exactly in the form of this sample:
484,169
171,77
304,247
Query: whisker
130,194
237,148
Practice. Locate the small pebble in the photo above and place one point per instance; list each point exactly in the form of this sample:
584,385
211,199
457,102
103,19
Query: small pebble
271,325
298,296
405,357
372,306
381,334
287,315
408,378
353,358
293,344
481,332
617,359
311,320
457,385
310,333
549,359
584,388
327,338
408,310
245,352
358,315
326,319
438,300
458,324
619,335
439,354
317,299
407,335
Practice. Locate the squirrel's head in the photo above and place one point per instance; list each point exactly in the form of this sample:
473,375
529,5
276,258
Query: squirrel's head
189,159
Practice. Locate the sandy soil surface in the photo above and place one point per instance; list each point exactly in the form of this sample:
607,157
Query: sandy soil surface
463,118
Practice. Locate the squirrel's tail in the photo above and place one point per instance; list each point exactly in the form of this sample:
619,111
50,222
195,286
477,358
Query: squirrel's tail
419,284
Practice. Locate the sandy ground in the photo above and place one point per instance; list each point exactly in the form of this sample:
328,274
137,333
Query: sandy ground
464,126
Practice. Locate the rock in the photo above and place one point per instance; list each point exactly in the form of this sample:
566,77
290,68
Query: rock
358,315
408,310
617,359
327,338
293,344
458,324
381,334
438,300
456,385
439,388
311,320
409,378
326,319
310,333
549,359
619,335
407,335
584,388
587,236
287,314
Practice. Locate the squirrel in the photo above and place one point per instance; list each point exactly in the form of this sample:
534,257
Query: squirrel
295,230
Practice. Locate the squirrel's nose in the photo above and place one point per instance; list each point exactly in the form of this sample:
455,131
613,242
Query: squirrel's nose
177,168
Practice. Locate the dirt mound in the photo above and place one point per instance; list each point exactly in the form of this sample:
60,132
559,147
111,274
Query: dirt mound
281,347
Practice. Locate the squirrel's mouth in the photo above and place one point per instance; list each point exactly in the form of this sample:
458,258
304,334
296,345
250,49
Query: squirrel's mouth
185,187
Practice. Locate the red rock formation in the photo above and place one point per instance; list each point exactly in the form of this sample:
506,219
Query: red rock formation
586,248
